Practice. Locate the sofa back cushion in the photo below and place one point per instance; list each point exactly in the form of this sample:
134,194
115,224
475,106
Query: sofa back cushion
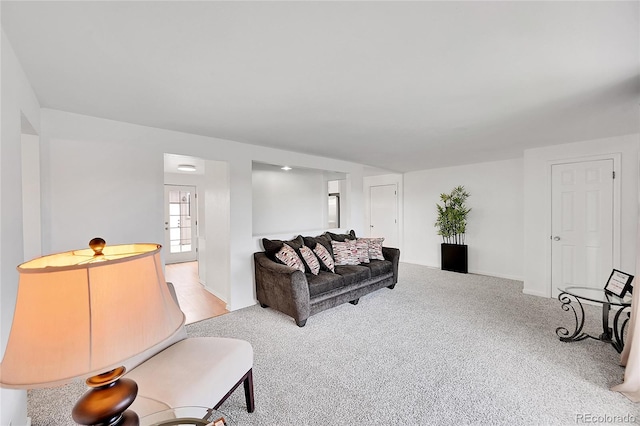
326,259
342,237
271,247
320,239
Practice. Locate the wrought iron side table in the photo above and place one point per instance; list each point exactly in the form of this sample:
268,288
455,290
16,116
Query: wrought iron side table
614,335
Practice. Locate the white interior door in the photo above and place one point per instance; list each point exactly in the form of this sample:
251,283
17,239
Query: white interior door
581,224
180,223
384,214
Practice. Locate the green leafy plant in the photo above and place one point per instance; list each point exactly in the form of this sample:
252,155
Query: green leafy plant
452,216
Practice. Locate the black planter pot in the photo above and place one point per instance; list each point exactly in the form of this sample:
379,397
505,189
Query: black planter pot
454,257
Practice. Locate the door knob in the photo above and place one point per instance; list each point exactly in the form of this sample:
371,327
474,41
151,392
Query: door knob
556,238
371,226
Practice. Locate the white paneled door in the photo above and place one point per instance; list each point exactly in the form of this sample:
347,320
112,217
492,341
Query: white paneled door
581,224
180,223
384,214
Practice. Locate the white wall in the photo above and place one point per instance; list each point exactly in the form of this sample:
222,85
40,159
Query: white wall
31,220
102,177
288,201
16,98
495,225
537,207
216,257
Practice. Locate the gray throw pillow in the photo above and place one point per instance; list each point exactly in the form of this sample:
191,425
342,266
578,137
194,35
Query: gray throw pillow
342,237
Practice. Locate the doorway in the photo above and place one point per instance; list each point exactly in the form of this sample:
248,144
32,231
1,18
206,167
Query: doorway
384,214
180,223
582,223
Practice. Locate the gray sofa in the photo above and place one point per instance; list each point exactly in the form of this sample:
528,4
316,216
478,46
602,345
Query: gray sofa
300,295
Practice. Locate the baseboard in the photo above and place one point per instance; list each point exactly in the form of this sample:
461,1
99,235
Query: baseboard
535,293
493,274
474,271
417,262
207,289
236,307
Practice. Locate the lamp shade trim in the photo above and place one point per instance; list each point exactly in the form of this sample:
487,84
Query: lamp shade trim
86,258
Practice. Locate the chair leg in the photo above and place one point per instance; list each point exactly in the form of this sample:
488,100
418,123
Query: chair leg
248,392
247,379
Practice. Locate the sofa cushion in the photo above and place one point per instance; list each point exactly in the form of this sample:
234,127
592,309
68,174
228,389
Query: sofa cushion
289,257
341,237
320,239
323,282
271,247
362,246
353,273
325,242
379,267
375,247
345,253
312,262
326,260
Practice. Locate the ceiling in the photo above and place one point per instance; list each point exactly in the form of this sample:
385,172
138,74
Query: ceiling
395,85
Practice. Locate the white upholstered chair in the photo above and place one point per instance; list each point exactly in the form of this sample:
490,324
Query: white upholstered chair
191,371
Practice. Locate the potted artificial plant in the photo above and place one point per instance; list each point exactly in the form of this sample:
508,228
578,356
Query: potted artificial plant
452,225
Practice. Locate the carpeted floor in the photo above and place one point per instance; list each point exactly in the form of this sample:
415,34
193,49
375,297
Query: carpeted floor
440,349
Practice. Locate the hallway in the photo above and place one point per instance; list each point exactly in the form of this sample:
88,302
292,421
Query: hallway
196,302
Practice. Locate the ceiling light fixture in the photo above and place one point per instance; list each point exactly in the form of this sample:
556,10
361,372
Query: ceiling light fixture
286,168
187,167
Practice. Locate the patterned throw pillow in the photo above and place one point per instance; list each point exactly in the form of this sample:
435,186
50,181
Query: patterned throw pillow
288,256
345,253
375,248
362,246
310,259
271,247
325,257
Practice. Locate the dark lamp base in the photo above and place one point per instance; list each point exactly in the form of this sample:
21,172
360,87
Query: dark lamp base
106,403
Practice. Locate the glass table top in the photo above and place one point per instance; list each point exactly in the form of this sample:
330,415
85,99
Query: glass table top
596,295
186,416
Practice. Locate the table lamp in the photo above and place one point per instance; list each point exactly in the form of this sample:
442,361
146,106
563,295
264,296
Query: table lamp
82,314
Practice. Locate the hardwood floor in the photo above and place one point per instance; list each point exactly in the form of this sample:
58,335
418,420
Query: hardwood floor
196,302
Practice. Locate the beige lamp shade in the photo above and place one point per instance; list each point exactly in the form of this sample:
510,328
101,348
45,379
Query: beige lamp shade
79,314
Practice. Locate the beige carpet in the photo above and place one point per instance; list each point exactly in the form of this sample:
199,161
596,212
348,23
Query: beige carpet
440,349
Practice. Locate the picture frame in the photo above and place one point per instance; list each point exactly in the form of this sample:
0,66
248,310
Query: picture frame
619,283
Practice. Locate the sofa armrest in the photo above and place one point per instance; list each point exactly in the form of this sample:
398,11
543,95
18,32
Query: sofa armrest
282,288
392,255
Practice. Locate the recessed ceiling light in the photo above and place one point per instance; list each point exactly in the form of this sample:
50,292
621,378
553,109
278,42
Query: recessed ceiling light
187,168
286,168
